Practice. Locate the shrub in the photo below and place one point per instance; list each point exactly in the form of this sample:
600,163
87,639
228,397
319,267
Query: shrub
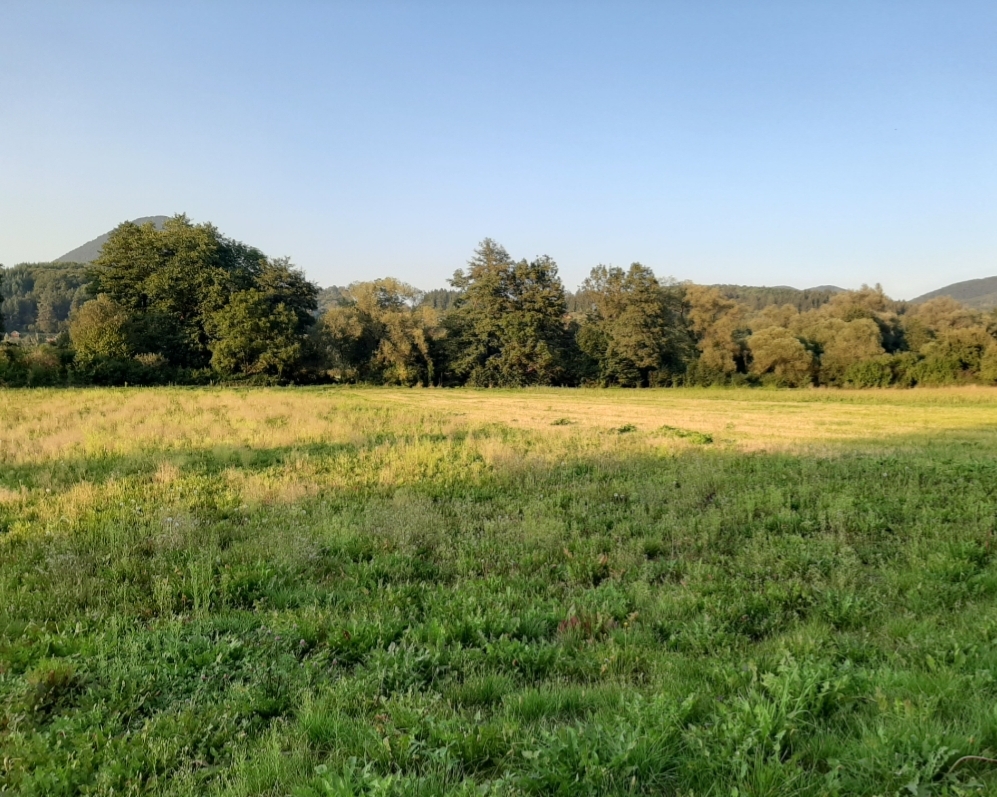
877,372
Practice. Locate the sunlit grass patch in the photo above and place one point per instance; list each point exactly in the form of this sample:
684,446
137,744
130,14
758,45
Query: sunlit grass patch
408,591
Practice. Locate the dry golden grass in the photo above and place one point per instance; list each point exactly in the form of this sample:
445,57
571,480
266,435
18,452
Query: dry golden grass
42,426
363,438
747,419
8,496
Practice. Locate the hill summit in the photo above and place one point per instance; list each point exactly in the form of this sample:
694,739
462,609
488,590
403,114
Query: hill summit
90,251
980,294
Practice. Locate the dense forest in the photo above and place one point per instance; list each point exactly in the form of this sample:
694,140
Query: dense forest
39,297
184,304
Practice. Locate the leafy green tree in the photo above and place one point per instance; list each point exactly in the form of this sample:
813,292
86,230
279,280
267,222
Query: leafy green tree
30,366
719,325
177,284
777,355
846,343
923,323
249,335
507,326
988,365
633,329
168,280
404,353
382,332
172,281
282,283
13,372
774,315
954,354
99,331
879,371
870,303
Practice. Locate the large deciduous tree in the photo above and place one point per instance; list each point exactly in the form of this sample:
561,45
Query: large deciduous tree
507,326
197,298
845,344
381,331
99,331
780,357
719,326
251,335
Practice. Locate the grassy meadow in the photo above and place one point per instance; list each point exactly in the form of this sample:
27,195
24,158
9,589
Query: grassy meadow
330,592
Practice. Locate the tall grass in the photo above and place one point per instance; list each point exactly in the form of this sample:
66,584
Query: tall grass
333,592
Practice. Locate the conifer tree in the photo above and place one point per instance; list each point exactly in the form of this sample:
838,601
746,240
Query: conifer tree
633,329
507,327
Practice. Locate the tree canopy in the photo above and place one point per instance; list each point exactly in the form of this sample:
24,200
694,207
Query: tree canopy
39,297
633,330
507,325
380,331
185,303
198,299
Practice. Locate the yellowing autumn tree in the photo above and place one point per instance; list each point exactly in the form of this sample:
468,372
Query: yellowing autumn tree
718,324
380,332
778,356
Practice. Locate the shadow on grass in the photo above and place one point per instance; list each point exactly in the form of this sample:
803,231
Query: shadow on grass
775,622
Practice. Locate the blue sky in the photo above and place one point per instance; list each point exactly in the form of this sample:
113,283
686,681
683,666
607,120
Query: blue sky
797,143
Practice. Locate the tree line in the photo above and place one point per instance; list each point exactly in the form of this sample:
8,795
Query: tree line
39,297
187,305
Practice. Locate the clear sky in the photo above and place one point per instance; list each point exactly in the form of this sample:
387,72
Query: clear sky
798,143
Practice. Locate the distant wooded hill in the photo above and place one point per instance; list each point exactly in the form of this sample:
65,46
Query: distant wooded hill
753,297
757,298
979,294
38,297
90,251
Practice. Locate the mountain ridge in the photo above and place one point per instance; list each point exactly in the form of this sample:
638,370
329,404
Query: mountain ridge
980,294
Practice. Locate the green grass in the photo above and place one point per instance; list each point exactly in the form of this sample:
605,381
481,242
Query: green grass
437,593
